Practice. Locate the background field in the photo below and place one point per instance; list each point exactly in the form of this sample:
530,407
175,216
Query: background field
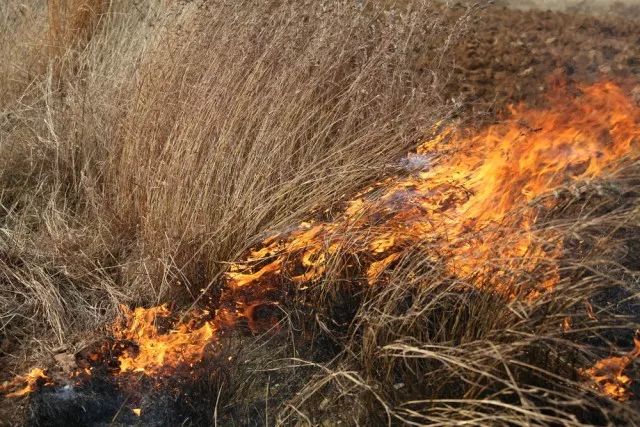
581,6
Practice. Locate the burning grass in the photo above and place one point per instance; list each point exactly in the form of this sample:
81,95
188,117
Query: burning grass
469,267
23,385
490,276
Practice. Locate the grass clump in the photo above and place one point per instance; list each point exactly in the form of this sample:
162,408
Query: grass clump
145,145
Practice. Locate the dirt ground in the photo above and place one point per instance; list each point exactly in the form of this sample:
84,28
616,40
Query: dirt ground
577,6
512,55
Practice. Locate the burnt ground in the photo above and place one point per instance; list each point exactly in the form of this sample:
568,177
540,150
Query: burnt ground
507,56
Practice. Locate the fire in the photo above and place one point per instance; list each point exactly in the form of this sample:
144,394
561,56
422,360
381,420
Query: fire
154,350
474,201
471,201
25,384
608,375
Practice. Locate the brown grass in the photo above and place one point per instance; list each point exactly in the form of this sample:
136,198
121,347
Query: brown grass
422,350
145,146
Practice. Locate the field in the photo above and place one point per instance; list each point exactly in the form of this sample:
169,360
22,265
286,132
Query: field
597,7
306,213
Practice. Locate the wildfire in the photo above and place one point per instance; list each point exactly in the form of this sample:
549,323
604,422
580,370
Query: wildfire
472,200
25,384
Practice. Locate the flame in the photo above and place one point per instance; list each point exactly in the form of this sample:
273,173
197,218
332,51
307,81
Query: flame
25,384
471,201
608,375
474,202
154,350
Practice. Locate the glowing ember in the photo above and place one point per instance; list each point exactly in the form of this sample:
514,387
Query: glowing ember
608,375
184,343
25,384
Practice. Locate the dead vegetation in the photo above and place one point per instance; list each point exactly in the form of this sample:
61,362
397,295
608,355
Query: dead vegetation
143,146
146,145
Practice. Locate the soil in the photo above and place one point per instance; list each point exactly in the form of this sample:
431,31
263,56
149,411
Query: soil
511,56
594,7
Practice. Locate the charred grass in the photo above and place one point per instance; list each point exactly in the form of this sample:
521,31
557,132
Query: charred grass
145,145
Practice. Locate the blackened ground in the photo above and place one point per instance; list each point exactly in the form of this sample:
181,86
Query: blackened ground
104,399
103,402
241,382
93,403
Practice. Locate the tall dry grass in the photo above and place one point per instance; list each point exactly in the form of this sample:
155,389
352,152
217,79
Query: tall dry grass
244,118
59,258
144,145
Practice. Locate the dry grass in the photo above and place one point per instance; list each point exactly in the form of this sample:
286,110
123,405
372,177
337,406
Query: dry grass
284,115
145,145
58,255
430,349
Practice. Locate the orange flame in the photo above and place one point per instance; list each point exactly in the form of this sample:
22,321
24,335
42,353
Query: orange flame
25,384
608,375
183,344
472,199
475,201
